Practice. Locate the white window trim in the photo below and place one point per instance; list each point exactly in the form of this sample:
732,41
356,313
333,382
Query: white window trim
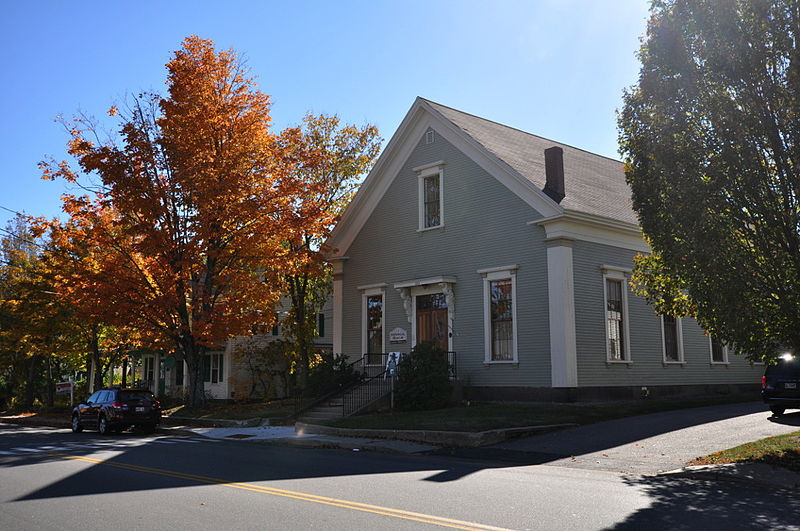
679,333
423,172
725,359
617,273
368,292
490,274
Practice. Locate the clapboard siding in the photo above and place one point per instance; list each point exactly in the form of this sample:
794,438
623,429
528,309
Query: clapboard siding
485,225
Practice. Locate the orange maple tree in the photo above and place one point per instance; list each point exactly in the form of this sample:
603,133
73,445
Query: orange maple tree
190,224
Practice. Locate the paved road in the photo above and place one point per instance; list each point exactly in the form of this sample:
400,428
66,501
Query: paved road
52,479
653,443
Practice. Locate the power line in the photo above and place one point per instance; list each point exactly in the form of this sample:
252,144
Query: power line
20,238
12,211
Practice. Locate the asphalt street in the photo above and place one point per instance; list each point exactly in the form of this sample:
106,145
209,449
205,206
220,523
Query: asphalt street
53,479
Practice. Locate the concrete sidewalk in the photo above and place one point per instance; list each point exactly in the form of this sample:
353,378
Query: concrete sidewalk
287,436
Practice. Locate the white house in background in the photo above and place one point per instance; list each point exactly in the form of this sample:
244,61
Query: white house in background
226,376
514,252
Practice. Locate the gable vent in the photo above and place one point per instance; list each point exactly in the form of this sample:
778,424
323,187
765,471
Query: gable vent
429,137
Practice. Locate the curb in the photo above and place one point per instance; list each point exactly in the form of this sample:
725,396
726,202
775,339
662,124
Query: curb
215,423
460,439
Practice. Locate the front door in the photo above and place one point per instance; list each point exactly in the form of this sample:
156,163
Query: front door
432,319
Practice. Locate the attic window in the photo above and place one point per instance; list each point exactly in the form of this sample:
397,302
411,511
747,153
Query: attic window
431,199
429,138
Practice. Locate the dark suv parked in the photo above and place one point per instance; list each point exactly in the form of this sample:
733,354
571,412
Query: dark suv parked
113,410
780,385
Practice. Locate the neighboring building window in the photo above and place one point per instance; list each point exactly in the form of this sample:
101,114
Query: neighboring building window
149,372
320,324
672,338
179,372
719,352
373,326
500,326
431,203
616,316
213,368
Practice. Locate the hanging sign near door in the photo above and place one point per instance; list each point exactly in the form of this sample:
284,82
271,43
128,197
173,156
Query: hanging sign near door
398,335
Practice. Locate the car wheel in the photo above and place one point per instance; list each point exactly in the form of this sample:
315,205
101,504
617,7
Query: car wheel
76,424
102,425
777,410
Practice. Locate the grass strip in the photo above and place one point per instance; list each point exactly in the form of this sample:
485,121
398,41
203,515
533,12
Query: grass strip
780,450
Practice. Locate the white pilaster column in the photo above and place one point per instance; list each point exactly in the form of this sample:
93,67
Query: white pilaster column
338,303
561,292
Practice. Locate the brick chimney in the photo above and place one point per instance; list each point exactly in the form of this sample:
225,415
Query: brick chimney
554,172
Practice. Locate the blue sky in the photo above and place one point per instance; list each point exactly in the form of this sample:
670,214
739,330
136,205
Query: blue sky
556,68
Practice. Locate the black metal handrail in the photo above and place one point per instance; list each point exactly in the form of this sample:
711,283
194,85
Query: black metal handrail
366,392
339,390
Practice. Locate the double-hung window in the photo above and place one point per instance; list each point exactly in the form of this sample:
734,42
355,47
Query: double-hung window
719,351
672,337
616,315
500,323
372,325
213,368
431,197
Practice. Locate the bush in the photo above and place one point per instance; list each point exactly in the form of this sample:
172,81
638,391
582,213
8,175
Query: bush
423,379
329,374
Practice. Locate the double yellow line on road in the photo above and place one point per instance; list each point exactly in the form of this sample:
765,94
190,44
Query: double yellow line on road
334,502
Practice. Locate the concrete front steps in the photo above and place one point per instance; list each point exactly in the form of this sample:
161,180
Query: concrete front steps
359,399
330,409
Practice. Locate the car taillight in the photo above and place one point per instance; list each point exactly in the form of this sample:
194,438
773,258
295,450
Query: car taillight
156,403
119,405
763,382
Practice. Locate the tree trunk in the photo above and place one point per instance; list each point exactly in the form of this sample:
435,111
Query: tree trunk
124,371
98,366
50,384
193,354
28,403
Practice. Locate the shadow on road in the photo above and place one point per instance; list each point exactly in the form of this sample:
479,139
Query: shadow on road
582,440
788,419
177,463
682,503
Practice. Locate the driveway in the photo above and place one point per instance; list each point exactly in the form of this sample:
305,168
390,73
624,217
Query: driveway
650,444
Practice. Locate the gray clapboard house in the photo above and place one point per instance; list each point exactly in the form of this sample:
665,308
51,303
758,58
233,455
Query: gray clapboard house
513,252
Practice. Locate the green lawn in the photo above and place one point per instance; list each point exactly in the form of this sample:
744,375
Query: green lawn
488,416
781,450
274,409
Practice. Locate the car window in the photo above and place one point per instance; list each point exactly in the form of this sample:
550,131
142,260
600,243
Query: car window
103,397
784,369
94,397
135,395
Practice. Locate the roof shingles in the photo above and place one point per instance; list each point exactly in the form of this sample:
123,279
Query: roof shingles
594,184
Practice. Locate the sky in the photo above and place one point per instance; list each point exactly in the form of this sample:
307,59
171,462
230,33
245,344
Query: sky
556,68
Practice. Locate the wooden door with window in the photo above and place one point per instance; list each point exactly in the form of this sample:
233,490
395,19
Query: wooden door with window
432,320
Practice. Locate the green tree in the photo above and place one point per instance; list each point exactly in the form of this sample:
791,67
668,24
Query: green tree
346,153
37,332
711,139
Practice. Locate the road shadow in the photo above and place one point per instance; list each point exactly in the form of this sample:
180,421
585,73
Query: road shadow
592,438
787,419
156,464
685,503
227,462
